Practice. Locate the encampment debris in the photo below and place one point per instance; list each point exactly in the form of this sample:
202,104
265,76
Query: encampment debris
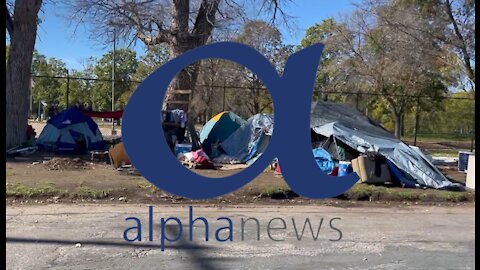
60,164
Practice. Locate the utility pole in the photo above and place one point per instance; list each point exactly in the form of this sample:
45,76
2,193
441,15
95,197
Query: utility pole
68,88
114,132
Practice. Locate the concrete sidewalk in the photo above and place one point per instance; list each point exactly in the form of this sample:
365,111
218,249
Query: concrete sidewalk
41,237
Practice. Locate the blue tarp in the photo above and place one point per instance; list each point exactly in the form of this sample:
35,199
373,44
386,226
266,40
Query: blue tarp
324,160
356,130
400,177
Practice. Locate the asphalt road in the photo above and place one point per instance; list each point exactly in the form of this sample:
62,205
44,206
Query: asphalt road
91,237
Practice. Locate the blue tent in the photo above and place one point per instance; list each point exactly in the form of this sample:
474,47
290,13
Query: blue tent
70,131
218,129
251,139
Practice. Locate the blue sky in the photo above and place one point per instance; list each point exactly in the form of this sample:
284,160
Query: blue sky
56,36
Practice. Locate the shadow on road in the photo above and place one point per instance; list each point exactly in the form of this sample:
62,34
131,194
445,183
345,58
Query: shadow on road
197,253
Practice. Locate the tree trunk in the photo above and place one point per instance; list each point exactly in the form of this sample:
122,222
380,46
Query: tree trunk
185,79
402,133
22,43
182,39
398,124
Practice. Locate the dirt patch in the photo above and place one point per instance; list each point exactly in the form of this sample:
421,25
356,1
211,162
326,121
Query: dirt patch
64,164
77,179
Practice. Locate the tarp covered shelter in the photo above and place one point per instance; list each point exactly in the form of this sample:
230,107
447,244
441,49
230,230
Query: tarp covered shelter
251,139
218,129
350,127
70,131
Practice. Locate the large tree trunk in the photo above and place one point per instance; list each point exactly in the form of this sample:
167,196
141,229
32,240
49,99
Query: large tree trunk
185,79
22,43
182,39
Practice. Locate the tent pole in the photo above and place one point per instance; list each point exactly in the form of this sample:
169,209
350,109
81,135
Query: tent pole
68,87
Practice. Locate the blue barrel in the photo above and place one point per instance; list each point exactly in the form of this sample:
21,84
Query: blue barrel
344,168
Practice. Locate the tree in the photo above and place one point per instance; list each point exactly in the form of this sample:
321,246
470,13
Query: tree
47,88
267,40
371,54
155,57
22,43
447,22
125,66
181,24
331,77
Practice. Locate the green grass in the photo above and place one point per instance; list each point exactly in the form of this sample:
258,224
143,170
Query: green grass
89,193
151,189
50,190
439,137
444,153
368,192
23,191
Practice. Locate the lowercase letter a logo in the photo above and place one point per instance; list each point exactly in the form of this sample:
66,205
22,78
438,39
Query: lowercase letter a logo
291,94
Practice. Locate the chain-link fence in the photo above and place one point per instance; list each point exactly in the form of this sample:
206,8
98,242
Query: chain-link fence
443,123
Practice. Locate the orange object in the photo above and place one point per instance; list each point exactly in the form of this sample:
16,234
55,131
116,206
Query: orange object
118,155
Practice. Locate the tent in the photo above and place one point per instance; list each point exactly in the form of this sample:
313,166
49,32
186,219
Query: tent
70,131
251,139
341,124
218,129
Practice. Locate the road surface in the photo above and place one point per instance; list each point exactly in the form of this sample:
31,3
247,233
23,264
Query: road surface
91,237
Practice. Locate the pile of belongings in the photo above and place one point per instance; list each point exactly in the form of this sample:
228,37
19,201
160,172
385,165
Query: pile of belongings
196,159
339,134
348,135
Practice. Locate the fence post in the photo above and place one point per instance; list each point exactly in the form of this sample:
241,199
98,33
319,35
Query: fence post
417,116
68,87
224,91
114,132
357,101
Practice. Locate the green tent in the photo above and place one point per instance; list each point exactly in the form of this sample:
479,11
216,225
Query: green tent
218,129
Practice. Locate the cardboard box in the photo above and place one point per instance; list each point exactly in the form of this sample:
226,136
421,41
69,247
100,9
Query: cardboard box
365,168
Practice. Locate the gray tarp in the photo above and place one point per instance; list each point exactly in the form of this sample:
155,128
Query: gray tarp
359,132
251,139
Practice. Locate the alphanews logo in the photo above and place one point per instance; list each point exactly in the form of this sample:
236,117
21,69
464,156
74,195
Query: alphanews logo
290,142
